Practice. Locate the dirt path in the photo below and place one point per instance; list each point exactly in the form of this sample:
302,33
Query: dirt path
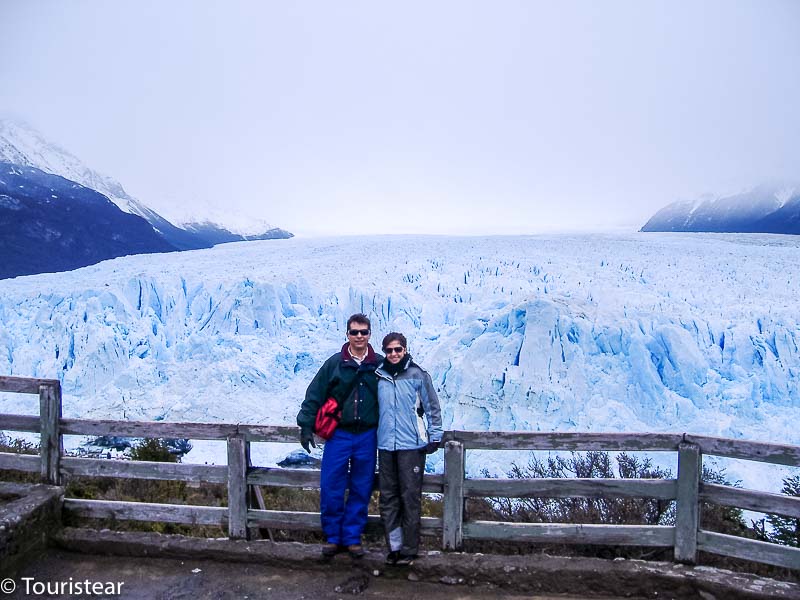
167,579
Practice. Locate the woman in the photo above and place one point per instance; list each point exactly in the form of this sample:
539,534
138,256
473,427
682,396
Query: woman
405,394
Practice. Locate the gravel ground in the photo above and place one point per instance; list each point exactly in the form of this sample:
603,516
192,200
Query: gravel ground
162,579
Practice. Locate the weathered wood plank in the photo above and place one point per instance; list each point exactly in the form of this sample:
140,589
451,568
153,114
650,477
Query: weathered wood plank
20,423
662,489
51,446
147,511
24,385
283,519
519,440
622,535
134,469
275,476
270,433
764,552
149,429
309,478
780,454
433,484
688,508
11,461
766,502
237,487
453,521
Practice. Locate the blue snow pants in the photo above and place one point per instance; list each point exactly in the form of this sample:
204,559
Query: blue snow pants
348,463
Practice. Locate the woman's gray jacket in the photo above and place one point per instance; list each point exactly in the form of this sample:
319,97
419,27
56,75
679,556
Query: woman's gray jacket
402,400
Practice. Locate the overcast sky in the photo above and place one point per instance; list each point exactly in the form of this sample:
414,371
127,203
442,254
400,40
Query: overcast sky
436,117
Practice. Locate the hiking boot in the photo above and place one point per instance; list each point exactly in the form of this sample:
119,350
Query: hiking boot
391,558
405,560
355,550
330,550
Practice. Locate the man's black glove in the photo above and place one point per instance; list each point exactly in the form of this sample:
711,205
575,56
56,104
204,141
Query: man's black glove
307,439
432,447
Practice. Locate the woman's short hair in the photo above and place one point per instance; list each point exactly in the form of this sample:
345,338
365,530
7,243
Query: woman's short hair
394,337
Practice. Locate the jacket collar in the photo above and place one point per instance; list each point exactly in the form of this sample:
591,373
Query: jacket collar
381,370
370,359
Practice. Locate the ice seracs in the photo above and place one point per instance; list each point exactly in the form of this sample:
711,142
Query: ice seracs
642,332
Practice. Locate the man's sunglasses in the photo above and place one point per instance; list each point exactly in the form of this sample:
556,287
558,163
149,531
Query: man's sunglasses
355,332
394,350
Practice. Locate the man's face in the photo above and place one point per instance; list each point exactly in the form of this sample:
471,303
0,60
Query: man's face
358,335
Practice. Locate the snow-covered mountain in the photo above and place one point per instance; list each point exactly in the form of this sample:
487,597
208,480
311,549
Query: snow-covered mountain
773,208
48,223
217,234
644,332
22,145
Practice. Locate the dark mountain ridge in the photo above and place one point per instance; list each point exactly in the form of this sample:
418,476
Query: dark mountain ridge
49,224
24,146
767,208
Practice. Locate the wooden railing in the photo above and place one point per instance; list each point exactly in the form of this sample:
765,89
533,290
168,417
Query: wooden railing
687,490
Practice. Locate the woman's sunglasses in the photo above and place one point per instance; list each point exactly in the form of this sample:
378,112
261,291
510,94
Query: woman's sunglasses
392,350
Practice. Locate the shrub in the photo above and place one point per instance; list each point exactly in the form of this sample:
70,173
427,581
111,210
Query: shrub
785,530
154,450
17,446
722,519
593,464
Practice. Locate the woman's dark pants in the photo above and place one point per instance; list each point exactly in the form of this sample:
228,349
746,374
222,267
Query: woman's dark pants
400,482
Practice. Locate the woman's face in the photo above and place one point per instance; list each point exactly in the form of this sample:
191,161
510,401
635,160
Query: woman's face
394,352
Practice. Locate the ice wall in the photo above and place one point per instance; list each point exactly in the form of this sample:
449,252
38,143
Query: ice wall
644,332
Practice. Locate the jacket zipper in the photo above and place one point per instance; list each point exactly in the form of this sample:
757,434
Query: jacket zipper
355,404
394,386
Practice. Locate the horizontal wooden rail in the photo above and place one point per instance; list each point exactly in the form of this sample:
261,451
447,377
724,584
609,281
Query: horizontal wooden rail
662,489
309,478
147,511
270,433
558,533
779,454
29,463
149,429
283,519
20,423
135,469
765,502
25,385
198,431
211,515
737,547
278,477
517,440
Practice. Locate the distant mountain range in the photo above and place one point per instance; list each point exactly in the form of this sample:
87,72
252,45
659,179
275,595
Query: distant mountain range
43,189
768,208
48,223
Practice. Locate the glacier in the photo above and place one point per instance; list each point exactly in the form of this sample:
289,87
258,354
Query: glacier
634,332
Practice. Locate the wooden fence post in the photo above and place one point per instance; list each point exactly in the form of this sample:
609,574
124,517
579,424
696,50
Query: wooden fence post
50,443
687,513
452,526
237,487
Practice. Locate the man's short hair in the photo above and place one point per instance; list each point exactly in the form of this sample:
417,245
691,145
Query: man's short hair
359,318
394,337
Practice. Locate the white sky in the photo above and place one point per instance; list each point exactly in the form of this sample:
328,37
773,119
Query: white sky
416,116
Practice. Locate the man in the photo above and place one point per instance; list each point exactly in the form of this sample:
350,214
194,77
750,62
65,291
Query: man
348,459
